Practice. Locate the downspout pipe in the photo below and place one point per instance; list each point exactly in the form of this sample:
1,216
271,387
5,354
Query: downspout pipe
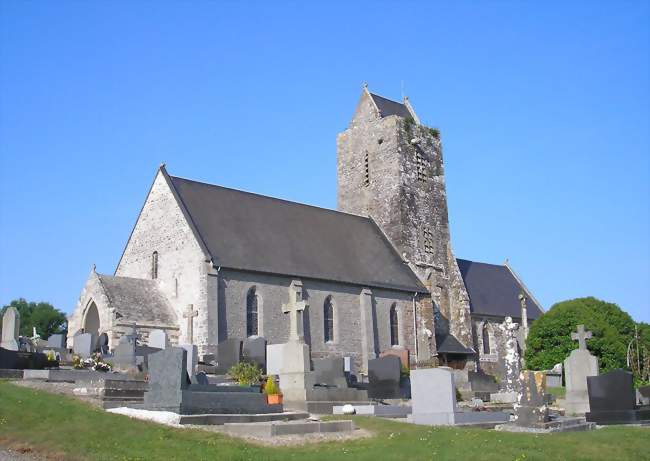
415,325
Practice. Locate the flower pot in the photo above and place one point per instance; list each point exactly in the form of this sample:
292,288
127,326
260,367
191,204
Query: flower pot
274,399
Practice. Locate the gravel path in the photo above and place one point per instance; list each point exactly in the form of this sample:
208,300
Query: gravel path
13,455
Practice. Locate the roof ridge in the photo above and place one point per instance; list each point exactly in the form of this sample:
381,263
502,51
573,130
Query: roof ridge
241,191
479,262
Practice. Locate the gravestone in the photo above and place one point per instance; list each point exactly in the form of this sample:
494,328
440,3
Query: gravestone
167,379
612,400
102,343
192,359
644,393
158,339
228,354
384,378
511,363
329,373
254,350
202,378
56,341
400,352
531,409
84,344
577,367
10,329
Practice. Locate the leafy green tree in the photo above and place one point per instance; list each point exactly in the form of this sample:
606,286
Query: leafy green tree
549,339
43,316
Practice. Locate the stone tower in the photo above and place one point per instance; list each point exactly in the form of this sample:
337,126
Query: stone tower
390,168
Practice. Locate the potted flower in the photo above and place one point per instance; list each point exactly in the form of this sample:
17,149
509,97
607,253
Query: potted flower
272,391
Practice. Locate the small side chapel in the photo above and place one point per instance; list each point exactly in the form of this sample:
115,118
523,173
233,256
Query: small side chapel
207,263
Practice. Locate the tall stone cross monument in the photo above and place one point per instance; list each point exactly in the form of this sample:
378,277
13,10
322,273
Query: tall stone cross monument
189,314
295,308
577,366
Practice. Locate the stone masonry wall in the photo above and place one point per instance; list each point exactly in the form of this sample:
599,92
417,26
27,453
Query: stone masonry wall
391,169
182,269
273,324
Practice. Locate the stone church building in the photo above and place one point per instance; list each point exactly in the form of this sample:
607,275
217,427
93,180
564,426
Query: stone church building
376,274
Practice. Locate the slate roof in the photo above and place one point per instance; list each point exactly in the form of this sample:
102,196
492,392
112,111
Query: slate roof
494,290
387,107
448,344
253,232
137,300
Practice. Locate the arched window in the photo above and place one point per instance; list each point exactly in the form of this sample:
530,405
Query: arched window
394,328
328,319
486,338
154,265
251,312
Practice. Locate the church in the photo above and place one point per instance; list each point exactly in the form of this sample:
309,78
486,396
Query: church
378,273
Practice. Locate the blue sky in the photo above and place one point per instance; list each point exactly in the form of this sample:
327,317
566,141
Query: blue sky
543,108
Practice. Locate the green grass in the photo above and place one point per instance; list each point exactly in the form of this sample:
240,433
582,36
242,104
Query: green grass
70,429
558,392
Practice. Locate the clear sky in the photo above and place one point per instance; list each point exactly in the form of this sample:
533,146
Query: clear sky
543,108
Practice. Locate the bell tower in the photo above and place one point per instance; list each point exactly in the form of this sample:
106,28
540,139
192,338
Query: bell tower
389,167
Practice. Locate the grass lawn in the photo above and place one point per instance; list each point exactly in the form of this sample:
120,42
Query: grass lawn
70,429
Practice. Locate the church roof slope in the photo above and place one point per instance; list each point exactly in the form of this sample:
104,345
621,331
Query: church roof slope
494,290
137,300
253,232
388,107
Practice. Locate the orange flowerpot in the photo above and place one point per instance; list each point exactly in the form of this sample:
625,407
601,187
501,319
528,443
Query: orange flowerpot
274,399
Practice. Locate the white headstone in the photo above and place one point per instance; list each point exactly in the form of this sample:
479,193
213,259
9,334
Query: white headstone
10,329
433,396
158,338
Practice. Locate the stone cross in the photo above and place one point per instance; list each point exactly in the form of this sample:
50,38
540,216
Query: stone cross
581,336
189,314
295,308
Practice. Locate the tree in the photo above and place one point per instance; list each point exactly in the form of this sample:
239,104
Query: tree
549,339
43,316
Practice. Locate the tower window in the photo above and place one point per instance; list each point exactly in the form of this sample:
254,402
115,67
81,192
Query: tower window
427,237
366,170
394,327
421,165
328,320
154,265
251,312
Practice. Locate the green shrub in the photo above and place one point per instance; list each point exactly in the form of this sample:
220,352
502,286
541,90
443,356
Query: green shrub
549,339
271,388
246,373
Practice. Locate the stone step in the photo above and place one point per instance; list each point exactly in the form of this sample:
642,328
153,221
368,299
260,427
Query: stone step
322,407
218,419
273,429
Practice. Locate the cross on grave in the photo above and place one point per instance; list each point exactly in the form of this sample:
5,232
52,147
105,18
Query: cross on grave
295,308
189,315
581,336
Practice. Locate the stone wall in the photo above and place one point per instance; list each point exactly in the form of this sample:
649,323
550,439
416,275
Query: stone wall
182,268
391,168
273,292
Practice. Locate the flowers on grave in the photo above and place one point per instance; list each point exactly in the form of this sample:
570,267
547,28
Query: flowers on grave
95,363
77,362
51,356
246,373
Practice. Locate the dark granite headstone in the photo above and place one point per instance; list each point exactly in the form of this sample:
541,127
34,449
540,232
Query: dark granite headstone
20,360
254,350
612,399
329,372
102,343
384,378
202,378
228,354
167,379
482,382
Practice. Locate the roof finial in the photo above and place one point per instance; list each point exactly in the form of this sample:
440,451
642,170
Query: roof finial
94,267
365,85
162,165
